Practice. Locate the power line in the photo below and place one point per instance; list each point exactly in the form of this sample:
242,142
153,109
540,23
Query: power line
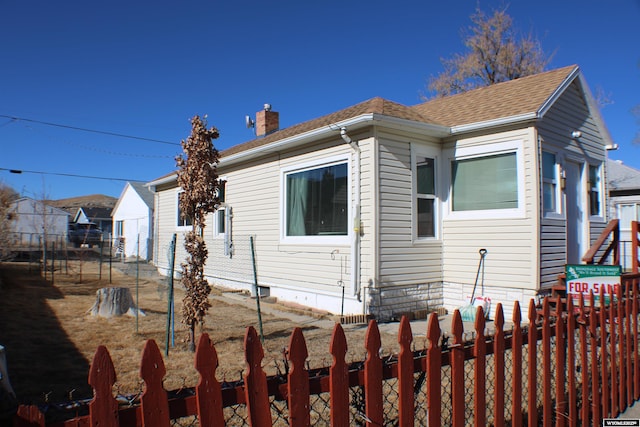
21,171
14,118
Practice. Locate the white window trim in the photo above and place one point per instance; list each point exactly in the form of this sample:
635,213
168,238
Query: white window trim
221,207
601,196
626,225
433,153
180,227
559,212
315,240
216,218
486,150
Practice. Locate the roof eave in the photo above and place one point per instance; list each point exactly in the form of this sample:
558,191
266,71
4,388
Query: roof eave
353,124
167,179
504,121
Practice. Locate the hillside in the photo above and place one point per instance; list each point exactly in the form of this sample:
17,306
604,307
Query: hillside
91,201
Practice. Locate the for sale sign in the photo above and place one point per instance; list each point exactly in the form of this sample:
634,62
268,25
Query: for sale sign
586,278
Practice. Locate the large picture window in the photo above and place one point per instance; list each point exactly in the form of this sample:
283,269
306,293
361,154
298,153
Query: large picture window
484,183
316,201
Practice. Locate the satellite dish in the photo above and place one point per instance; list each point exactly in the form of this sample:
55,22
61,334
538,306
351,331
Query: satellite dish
249,122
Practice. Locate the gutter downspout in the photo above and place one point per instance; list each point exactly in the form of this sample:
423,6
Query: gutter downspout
355,241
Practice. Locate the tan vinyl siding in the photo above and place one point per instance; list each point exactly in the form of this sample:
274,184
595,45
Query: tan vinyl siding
401,260
568,114
511,259
318,267
167,218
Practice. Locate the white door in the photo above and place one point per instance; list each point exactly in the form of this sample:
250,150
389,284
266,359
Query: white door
575,212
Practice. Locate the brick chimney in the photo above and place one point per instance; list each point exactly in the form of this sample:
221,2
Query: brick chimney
267,121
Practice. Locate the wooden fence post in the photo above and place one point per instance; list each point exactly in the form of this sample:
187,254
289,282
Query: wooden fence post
547,411
480,372
434,371
629,344
596,399
516,348
622,351
584,362
498,358
208,391
255,381
103,408
561,366
571,362
604,381
405,375
373,376
298,378
457,372
339,379
153,402
613,341
532,365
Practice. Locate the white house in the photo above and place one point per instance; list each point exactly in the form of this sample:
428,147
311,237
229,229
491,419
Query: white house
624,202
382,208
133,221
34,222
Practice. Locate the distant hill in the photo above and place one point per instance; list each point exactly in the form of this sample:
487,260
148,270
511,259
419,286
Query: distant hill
72,204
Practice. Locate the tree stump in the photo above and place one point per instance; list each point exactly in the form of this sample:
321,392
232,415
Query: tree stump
112,302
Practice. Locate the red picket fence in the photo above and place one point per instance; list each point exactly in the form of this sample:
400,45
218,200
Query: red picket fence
568,365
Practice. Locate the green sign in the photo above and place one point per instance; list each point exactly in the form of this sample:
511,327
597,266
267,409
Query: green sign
586,278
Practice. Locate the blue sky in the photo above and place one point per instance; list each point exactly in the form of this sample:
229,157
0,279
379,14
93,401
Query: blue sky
142,69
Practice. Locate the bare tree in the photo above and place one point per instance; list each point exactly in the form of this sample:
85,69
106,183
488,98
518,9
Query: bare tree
7,196
496,52
198,177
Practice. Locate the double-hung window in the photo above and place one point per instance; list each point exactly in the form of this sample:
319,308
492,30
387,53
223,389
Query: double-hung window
316,201
550,186
425,196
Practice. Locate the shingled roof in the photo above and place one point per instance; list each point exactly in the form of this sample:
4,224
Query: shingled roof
513,98
509,99
372,106
622,177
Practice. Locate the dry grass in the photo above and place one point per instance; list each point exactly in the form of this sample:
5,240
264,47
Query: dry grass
51,339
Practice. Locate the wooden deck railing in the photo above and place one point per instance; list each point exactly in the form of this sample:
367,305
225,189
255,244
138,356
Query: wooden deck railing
582,365
610,235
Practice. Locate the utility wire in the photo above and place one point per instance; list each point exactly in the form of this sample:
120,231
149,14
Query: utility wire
20,171
14,118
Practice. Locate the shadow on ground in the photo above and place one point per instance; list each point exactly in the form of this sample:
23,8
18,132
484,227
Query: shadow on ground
37,347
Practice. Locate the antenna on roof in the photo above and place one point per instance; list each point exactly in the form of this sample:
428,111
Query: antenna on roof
249,122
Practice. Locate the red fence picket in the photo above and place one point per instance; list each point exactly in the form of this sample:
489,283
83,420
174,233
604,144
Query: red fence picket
594,345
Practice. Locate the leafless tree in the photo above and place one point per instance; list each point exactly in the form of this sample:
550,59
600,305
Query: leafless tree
198,178
7,196
496,52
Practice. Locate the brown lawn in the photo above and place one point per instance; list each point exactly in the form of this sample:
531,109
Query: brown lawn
50,338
